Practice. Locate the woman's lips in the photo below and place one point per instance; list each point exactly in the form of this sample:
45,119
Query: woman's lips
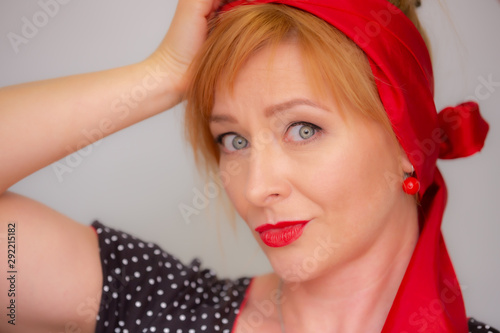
282,233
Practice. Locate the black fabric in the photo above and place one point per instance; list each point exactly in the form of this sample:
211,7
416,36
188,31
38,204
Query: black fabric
479,327
146,289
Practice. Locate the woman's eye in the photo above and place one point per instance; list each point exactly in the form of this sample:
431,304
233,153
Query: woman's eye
233,142
301,131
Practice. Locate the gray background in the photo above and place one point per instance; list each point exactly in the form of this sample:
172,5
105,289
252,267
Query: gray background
136,179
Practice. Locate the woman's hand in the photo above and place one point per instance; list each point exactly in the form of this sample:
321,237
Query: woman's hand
185,36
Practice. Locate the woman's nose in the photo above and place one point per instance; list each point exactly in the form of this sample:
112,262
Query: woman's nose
267,176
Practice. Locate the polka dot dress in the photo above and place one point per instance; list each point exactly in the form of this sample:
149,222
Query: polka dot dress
148,290
478,327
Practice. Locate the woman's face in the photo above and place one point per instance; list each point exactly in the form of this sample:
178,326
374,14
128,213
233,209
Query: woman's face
301,159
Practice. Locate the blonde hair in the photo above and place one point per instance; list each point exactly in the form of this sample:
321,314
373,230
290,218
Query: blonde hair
334,63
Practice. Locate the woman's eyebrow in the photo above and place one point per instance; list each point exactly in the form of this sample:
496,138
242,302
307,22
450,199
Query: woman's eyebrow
270,110
274,109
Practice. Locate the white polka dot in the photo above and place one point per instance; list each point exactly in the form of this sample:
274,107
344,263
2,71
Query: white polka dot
138,321
105,288
138,304
125,261
204,316
130,246
120,247
121,323
169,317
112,256
182,317
128,297
149,313
145,256
114,238
173,286
134,259
107,241
152,329
160,292
163,305
149,269
204,327
115,295
151,281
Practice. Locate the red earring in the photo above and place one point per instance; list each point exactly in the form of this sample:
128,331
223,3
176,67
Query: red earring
411,185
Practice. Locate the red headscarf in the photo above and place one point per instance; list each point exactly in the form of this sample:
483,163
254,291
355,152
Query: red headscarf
429,298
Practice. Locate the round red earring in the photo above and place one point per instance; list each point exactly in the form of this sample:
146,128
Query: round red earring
411,185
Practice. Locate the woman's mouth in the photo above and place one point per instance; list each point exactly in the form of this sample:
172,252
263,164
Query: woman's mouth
282,233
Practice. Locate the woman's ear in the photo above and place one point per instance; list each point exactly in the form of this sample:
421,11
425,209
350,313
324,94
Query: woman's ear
405,162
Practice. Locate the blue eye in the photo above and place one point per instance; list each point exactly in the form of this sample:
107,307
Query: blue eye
232,142
302,131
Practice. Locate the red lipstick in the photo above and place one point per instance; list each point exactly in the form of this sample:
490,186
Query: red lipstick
282,233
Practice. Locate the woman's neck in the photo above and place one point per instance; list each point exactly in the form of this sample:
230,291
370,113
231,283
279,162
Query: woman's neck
358,296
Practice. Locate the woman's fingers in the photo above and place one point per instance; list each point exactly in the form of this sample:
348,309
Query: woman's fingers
184,38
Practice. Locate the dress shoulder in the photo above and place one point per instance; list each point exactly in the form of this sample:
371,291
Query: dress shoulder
146,289
479,327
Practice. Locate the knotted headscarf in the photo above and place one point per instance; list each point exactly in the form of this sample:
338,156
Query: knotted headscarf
429,298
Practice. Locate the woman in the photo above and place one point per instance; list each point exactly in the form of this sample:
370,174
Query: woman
260,125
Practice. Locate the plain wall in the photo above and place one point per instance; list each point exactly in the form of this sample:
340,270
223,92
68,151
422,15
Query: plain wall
137,180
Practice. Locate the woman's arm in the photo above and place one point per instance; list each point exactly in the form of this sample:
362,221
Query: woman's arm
41,122
55,278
